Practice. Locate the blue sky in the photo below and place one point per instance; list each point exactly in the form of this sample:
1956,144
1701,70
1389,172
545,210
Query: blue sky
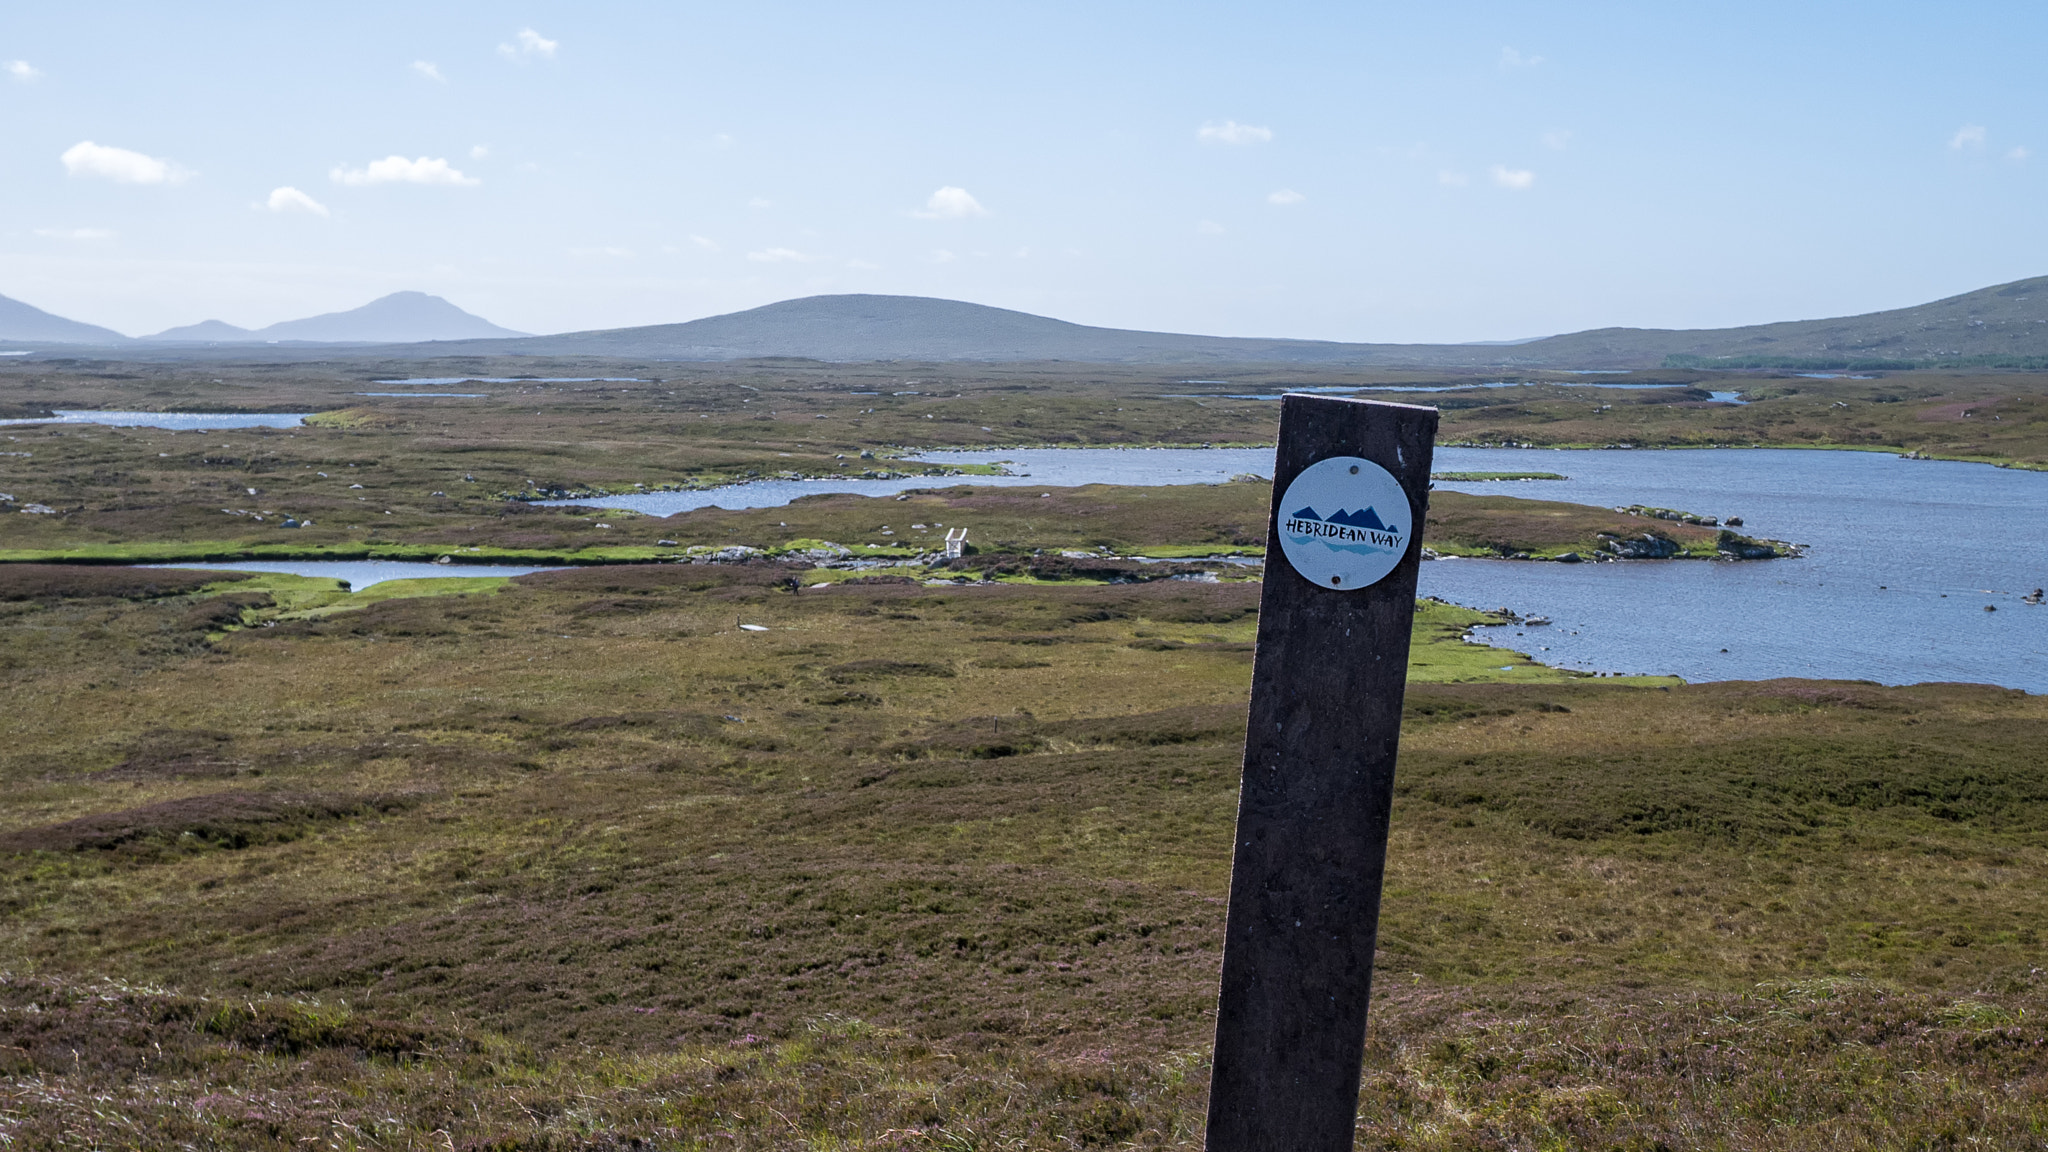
1356,171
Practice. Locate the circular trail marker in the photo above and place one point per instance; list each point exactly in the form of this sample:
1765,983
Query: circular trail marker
1344,523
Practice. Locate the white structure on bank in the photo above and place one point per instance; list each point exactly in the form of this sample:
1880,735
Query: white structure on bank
956,543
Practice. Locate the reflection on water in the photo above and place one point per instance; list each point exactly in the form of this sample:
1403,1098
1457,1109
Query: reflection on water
175,421
361,574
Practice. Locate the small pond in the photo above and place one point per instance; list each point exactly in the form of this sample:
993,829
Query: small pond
175,421
512,380
361,574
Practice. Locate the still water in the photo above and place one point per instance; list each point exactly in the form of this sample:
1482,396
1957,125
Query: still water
1904,556
361,574
509,380
1051,467
175,421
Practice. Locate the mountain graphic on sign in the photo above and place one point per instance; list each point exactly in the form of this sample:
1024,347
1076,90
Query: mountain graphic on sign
1364,518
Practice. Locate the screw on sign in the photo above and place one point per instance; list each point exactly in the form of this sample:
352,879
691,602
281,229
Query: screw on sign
1350,491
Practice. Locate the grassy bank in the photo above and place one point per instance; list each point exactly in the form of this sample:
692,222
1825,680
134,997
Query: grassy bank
1505,526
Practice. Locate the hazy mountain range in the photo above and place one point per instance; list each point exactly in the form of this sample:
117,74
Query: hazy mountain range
400,318
28,324
2005,321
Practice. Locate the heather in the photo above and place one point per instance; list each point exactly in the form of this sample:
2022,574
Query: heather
572,861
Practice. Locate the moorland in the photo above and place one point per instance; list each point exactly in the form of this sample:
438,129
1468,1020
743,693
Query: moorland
420,477
707,855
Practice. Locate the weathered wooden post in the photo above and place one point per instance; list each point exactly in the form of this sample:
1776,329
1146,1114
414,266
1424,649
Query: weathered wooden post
1350,492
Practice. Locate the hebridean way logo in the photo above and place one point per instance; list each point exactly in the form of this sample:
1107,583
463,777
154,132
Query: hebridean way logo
1351,531
1342,523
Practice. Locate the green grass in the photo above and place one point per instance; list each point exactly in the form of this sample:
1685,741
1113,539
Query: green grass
1195,551
1441,654
404,590
216,551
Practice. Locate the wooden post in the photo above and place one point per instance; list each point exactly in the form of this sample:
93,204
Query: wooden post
1350,493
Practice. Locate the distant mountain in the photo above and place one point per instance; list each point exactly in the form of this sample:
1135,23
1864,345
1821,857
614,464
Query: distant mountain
863,327
400,318
2009,320
26,323
206,331
2002,320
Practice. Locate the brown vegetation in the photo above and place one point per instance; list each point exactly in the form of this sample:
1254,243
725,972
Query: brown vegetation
921,865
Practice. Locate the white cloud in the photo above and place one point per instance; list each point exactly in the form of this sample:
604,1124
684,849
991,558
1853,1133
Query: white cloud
290,199
479,151
86,158
1510,58
943,256
778,256
721,140
1557,139
1968,136
760,202
950,203
1231,132
705,242
2017,152
23,72
399,170
1208,228
611,250
76,233
1515,178
529,43
426,68
863,266
1450,179
1285,198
